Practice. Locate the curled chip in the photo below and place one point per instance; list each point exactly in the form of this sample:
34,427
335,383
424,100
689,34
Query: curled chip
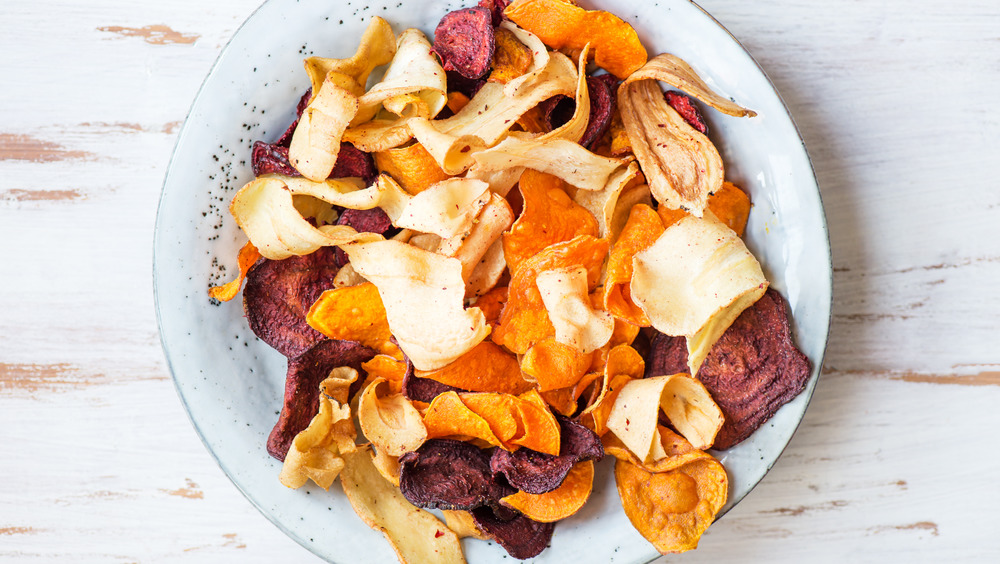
411,166
729,204
641,230
751,371
447,474
245,259
535,472
305,373
684,105
520,536
677,73
623,365
464,41
389,421
353,313
602,104
576,322
555,365
485,368
389,368
278,294
502,420
559,503
672,509
511,58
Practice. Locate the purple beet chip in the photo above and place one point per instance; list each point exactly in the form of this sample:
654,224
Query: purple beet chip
279,293
496,8
686,107
464,41
559,109
467,86
521,537
536,472
271,158
416,388
447,474
305,373
286,138
373,220
352,161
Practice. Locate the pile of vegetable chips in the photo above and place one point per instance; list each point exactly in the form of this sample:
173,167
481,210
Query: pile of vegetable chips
510,257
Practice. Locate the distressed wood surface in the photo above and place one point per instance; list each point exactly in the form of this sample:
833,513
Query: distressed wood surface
894,460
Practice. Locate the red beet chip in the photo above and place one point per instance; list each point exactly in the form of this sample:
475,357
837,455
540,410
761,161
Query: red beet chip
686,107
464,41
267,158
416,388
374,220
559,109
447,474
458,83
279,293
305,373
286,138
352,161
496,8
751,371
521,537
536,472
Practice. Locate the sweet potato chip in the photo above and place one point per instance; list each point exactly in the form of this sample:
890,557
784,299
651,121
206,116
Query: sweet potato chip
389,368
485,368
354,313
416,535
524,320
549,217
316,451
246,258
411,166
672,509
640,232
555,365
576,322
560,24
389,420
448,416
502,420
491,303
559,503
730,205
511,58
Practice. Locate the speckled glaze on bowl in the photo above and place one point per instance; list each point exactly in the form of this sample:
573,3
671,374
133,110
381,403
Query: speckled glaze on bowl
231,383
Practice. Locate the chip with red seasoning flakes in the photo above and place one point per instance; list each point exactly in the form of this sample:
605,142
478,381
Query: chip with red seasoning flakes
464,41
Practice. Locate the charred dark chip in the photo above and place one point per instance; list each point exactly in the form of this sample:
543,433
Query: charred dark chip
268,158
447,474
279,293
521,537
363,221
352,161
686,107
286,138
752,370
458,83
535,472
496,8
305,373
464,41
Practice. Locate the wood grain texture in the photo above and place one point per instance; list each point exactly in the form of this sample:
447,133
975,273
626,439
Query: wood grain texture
896,102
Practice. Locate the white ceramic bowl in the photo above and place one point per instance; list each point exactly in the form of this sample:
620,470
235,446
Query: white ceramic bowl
232,384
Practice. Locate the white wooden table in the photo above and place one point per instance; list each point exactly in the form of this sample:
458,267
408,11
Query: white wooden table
896,459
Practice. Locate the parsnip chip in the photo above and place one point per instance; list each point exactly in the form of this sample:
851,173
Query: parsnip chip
561,24
416,535
486,368
575,128
524,320
413,85
246,258
672,509
576,323
446,209
677,73
387,466
317,452
411,166
626,201
389,420
549,216
678,451
623,365
685,401
559,503
555,365
479,249
265,211
423,293
463,524
354,313
377,47
681,164
641,231
602,203
317,137
695,281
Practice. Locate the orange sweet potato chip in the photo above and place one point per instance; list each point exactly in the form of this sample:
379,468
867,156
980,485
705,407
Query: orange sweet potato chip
554,365
524,320
491,303
353,313
448,416
560,24
641,230
457,101
411,166
559,503
511,58
549,216
730,205
539,429
389,368
623,365
246,258
672,509
485,368
502,420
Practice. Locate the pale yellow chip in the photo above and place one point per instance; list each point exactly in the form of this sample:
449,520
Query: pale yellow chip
577,323
316,141
603,203
677,73
389,420
416,535
463,524
695,281
448,208
377,47
480,249
423,295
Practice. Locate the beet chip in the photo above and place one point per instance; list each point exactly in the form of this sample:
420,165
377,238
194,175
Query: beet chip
373,220
686,107
416,388
464,41
279,293
352,161
521,537
752,370
535,472
447,474
467,86
268,158
496,8
305,372
286,138
559,109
